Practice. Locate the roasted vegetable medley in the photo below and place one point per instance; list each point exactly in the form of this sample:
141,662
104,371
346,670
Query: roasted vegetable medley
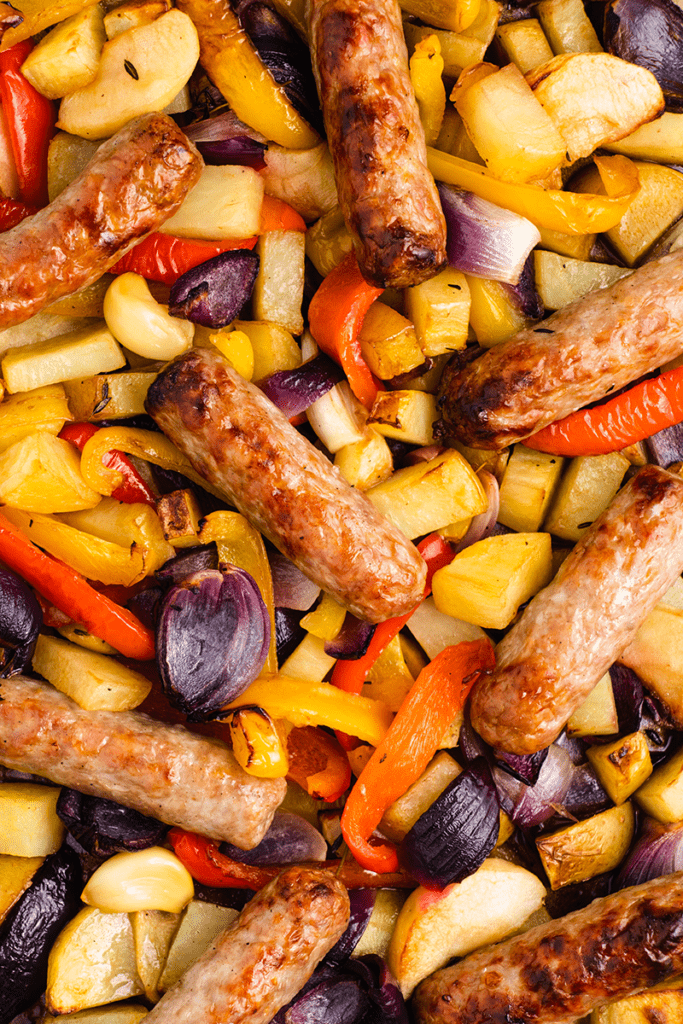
285,478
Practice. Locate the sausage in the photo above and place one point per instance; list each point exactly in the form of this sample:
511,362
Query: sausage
265,957
386,193
559,971
135,181
161,770
239,441
575,628
579,355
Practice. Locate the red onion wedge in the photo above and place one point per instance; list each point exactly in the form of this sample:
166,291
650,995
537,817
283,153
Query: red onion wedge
353,639
213,293
289,839
291,588
483,239
532,805
362,905
293,391
224,139
482,525
658,851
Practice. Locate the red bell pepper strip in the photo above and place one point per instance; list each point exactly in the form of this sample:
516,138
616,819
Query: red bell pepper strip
12,212
133,488
318,763
632,416
73,595
336,315
165,258
438,694
209,866
30,120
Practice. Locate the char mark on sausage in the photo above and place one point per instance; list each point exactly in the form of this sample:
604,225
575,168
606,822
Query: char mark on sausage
240,442
135,181
579,355
386,193
576,627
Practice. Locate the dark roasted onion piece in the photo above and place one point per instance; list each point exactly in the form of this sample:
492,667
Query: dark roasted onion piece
103,827
360,990
362,904
353,639
649,33
289,839
658,851
293,391
212,640
20,622
213,293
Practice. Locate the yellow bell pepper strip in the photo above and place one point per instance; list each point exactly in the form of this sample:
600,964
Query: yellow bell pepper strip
573,213
145,444
335,317
72,594
240,544
439,693
318,763
208,866
426,70
302,702
257,745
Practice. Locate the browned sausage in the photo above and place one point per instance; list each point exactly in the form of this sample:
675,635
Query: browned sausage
577,356
556,973
134,182
387,195
578,626
260,962
160,770
239,441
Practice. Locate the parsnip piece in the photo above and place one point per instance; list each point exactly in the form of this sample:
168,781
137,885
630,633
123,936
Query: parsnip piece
74,354
524,43
405,416
527,488
389,679
304,178
513,133
425,497
92,963
561,280
42,473
43,409
594,98
30,826
199,926
140,71
279,287
366,462
67,58
225,203
153,932
587,488
95,682
588,848
455,15
622,766
308,660
380,927
597,716
130,1013
644,1008
660,140
435,630
433,927
567,27
577,246
388,342
108,396
440,309
399,817
487,582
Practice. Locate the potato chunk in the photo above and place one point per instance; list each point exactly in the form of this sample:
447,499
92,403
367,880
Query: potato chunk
30,826
594,98
67,58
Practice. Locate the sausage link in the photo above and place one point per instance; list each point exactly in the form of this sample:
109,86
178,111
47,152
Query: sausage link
386,193
575,628
135,181
259,963
164,771
579,355
559,971
239,441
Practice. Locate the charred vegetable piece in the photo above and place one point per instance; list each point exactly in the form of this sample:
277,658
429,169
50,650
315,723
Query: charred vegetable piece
177,569
20,621
362,904
288,632
293,391
103,827
457,833
212,640
213,293
666,446
353,639
31,927
649,33
289,839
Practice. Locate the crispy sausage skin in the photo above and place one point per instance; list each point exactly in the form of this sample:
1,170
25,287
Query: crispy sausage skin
239,441
559,971
259,963
579,355
387,195
161,770
134,182
575,628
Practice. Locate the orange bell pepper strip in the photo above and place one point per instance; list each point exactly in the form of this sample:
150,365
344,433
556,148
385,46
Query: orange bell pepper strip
439,693
70,592
638,413
318,763
336,315
277,215
207,865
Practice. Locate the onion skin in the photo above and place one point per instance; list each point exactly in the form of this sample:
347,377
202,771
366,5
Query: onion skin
212,640
213,293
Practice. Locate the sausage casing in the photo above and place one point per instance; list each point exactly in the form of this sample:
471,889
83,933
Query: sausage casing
239,441
164,771
579,355
559,971
260,962
576,627
386,193
135,181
